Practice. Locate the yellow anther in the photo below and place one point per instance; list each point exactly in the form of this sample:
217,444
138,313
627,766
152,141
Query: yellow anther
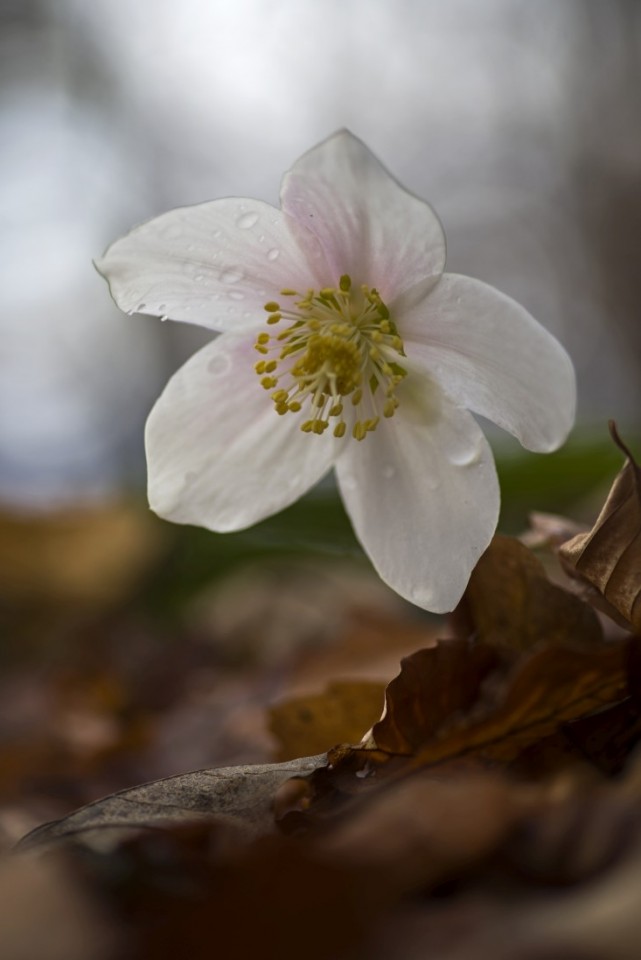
339,342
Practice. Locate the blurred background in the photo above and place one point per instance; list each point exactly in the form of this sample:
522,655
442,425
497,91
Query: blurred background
520,122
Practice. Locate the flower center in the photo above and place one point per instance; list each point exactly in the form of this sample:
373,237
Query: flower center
339,343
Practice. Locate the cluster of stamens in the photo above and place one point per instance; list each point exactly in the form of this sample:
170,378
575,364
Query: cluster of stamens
339,343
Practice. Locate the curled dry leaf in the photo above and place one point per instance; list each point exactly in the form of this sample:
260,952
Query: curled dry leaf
608,558
509,602
508,708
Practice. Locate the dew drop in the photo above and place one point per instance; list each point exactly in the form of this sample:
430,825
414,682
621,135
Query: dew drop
236,295
199,277
388,471
273,254
141,306
219,364
348,482
247,220
231,275
161,307
466,454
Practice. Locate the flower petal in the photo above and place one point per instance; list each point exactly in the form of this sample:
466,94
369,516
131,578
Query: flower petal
368,225
218,454
490,355
214,264
423,496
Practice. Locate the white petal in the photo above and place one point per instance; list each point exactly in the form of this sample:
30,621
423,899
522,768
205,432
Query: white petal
423,496
368,225
218,454
490,355
215,264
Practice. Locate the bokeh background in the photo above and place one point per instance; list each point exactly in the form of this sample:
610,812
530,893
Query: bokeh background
519,121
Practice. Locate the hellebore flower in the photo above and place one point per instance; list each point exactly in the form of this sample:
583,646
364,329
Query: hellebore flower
342,343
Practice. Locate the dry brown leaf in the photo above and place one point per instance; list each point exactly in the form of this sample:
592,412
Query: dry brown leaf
608,557
311,724
509,602
433,686
551,686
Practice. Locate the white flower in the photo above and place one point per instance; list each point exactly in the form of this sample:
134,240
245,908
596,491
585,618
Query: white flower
369,358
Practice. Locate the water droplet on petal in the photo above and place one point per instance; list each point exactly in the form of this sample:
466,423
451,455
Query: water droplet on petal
219,364
273,254
348,482
231,275
388,471
236,295
161,307
199,277
247,220
465,454
141,306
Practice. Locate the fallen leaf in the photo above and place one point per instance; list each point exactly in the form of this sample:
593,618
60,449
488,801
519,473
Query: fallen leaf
509,602
239,795
523,704
608,557
341,714
433,686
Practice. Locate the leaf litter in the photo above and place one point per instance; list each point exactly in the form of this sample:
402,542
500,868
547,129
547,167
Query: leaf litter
485,804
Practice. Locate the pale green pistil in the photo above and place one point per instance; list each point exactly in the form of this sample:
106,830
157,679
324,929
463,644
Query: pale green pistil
340,343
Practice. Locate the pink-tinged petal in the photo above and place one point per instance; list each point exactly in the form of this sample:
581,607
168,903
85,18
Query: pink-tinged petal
490,355
218,454
368,225
423,496
214,264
